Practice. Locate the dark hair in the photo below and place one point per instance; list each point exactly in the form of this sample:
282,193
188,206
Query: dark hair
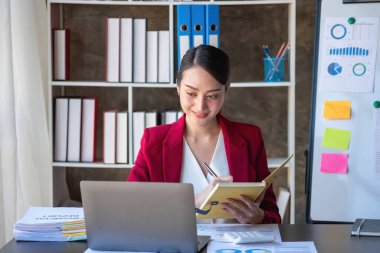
212,59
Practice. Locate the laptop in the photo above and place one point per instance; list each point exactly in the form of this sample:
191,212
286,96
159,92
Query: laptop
137,216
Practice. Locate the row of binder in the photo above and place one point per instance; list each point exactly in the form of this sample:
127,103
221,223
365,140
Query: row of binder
75,124
197,25
115,137
115,131
134,54
75,129
145,119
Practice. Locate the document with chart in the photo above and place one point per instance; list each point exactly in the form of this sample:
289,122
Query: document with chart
348,54
284,247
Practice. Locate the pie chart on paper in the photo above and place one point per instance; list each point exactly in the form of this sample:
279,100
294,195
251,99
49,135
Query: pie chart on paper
334,69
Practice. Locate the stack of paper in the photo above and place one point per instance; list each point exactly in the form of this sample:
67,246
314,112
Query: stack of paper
51,224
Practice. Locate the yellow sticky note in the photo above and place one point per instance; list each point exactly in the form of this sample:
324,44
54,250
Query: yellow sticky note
336,138
340,109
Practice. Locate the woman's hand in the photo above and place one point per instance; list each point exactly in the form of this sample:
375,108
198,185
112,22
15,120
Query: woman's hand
200,197
245,210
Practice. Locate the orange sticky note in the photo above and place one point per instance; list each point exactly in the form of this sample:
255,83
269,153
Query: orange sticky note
339,109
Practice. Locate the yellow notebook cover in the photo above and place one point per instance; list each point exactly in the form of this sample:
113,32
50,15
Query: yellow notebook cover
211,207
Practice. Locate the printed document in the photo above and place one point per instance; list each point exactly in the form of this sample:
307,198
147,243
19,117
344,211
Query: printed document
51,224
299,247
216,231
348,55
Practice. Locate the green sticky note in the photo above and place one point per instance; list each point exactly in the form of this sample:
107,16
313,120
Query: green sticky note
336,138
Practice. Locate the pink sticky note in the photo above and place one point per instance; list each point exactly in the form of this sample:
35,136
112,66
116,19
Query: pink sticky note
334,163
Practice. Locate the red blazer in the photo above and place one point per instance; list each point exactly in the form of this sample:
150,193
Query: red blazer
160,157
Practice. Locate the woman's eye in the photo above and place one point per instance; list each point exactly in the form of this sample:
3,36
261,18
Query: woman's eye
191,94
213,96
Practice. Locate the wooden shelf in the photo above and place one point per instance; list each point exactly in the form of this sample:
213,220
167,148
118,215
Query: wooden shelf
169,3
162,85
91,165
272,164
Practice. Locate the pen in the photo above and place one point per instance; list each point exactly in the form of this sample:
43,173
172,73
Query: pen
209,170
266,51
277,63
280,50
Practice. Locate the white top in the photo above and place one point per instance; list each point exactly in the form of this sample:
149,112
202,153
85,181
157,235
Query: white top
192,172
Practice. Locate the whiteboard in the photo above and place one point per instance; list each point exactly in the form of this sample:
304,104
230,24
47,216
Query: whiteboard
343,197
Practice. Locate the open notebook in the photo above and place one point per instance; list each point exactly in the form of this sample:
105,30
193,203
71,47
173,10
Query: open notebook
211,208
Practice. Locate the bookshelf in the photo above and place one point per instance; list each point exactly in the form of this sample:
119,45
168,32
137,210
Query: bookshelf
87,77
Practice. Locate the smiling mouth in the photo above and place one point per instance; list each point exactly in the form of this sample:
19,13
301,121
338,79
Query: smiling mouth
200,115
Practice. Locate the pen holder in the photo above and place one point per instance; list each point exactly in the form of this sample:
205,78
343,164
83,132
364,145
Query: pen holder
274,69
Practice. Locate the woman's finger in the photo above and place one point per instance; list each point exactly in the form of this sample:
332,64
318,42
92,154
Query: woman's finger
240,216
239,205
249,202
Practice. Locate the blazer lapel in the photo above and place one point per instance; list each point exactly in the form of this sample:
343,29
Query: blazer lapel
173,151
236,150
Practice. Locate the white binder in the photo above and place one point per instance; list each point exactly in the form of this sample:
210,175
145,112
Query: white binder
138,126
163,57
139,50
122,137
88,142
60,129
74,130
112,50
126,55
109,136
152,57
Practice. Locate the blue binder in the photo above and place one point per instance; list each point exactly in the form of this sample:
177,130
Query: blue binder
198,25
212,25
183,30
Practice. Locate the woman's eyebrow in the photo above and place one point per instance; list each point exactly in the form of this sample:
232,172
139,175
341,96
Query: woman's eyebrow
193,88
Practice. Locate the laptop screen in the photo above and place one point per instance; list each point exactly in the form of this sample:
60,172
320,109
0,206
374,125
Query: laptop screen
137,216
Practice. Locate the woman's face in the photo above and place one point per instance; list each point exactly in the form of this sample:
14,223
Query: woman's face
201,96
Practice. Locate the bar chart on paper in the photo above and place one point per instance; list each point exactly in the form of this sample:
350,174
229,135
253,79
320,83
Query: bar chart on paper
350,51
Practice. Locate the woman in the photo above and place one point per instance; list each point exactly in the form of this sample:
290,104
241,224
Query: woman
175,152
